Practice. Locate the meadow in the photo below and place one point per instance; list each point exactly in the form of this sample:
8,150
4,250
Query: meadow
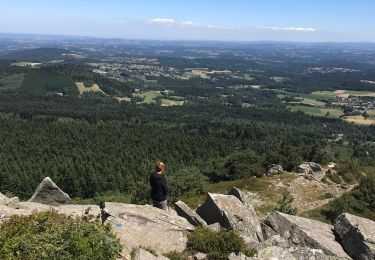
94,88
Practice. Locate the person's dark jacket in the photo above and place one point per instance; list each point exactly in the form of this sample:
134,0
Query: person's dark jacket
159,187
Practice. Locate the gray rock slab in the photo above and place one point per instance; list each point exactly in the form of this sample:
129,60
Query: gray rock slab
356,235
306,232
230,212
185,211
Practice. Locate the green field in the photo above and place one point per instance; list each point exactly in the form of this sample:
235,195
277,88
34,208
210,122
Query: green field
314,95
317,111
149,96
320,95
11,82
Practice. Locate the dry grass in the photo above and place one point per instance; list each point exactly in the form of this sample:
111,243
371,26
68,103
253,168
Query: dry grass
360,120
149,96
123,99
94,88
170,103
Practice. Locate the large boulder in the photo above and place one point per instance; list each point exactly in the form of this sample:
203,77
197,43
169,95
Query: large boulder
306,232
185,211
231,213
50,194
309,168
357,236
275,169
144,225
315,167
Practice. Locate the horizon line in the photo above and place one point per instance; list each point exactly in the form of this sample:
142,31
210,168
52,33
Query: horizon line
181,40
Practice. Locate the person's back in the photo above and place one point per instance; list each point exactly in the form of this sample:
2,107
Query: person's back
159,187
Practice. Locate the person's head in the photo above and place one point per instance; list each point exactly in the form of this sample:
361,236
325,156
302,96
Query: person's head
159,167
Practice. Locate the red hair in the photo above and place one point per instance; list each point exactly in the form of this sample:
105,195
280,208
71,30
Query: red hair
159,166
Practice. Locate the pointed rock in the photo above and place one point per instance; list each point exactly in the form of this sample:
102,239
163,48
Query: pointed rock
306,232
357,236
49,193
230,212
185,211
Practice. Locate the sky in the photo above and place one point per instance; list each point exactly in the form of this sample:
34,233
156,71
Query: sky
224,20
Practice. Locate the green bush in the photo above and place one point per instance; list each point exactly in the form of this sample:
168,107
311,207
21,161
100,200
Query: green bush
360,201
49,235
218,245
286,204
176,256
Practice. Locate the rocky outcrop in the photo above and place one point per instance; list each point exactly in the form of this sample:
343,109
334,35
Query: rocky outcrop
357,236
275,169
305,232
10,202
231,213
185,211
309,168
135,225
2,198
142,254
50,194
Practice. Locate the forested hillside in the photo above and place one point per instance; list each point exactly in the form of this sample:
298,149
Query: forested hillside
96,119
91,147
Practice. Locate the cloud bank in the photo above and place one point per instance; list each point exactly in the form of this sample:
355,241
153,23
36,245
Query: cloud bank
170,21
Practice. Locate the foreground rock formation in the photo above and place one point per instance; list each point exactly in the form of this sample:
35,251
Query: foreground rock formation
185,211
135,225
231,213
305,232
278,236
49,193
357,236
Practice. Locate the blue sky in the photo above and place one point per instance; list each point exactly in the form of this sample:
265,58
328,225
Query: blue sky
243,20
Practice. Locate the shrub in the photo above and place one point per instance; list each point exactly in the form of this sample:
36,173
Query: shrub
286,204
176,256
49,235
360,201
334,178
218,245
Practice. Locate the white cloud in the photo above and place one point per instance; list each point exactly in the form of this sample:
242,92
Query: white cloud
191,23
163,21
220,27
169,21
289,29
